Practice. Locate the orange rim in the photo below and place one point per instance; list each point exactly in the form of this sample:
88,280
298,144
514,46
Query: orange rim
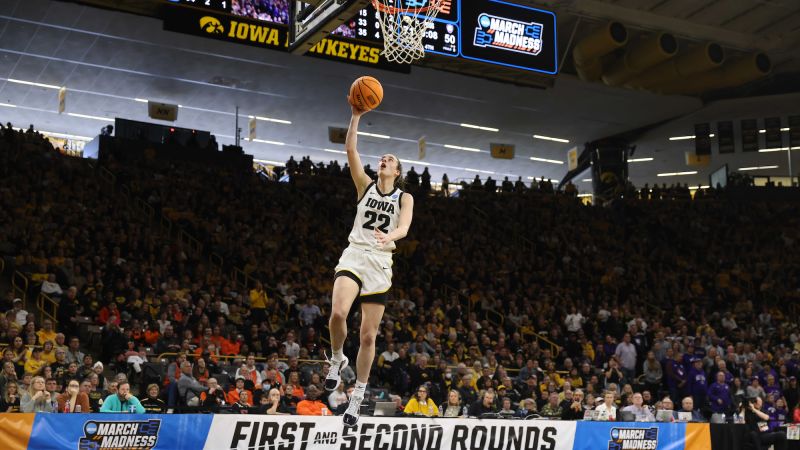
380,6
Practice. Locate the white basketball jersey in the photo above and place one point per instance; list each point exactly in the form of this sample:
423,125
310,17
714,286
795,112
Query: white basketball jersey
376,210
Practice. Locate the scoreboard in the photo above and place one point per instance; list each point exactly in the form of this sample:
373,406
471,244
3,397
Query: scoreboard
488,31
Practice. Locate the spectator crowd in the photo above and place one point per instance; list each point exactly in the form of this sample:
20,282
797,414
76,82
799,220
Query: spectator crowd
518,304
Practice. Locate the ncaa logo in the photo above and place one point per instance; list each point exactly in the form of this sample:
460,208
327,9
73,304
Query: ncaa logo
211,25
633,438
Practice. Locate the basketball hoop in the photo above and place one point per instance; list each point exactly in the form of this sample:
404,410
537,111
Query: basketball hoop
404,28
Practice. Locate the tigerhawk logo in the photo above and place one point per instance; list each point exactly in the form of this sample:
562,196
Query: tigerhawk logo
211,25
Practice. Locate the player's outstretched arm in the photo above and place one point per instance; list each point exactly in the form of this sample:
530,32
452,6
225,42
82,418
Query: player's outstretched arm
403,224
360,178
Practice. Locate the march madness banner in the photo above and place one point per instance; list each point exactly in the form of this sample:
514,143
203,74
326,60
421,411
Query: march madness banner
251,432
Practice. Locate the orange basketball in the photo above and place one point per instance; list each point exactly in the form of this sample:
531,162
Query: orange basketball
366,93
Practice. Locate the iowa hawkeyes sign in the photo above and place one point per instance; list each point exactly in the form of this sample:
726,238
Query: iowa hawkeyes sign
272,36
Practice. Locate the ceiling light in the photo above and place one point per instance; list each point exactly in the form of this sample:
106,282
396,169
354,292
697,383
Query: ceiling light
478,127
458,147
269,119
411,161
381,136
758,168
8,105
640,160
140,100
266,161
268,142
584,195
683,138
785,129
86,116
551,161
31,83
777,149
330,150
676,174
587,180
478,171
548,138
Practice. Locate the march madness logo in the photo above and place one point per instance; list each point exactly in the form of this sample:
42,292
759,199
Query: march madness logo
137,435
508,34
633,439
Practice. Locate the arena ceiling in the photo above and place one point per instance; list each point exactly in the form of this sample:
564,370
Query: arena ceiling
111,61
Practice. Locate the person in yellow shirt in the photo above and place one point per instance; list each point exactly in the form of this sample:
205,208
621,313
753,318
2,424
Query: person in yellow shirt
35,363
49,352
47,333
258,303
421,404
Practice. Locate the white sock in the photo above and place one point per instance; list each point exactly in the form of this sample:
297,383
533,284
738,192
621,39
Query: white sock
338,355
360,389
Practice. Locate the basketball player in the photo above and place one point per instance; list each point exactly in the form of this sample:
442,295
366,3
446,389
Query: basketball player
383,215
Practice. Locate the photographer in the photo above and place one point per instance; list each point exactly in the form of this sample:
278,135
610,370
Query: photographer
757,423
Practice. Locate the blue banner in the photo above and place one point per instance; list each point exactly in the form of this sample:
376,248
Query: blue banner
630,435
120,431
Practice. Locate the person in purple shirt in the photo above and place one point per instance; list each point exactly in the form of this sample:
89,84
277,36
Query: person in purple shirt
722,367
719,395
778,414
772,387
766,370
698,385
676,376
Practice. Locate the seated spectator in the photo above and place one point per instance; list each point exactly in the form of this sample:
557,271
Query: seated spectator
312,406
243,403
421,405
506,409
189,388
337,397
527,407
608,409
485,405
152,403
34,364
575,410
73,400
37,399
235,392
214,396
553,406
248,370
10,398
453,407
756,421
122,402
640,411
272,403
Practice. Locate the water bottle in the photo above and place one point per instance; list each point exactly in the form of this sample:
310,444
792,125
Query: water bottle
77,408
464,411
66,406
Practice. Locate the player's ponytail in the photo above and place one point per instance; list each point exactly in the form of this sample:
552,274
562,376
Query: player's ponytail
400,181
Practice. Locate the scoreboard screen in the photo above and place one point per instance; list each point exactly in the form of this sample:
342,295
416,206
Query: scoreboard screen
489,31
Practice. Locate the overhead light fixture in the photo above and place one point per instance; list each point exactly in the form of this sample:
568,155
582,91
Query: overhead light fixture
140,100
758,168
640,160
380,136
694,188
86,116
584,195
8,105
261,141
478,127
551,161
458,147
548,138
777,149
676,174
269,119
266,161
587,180
683,138
31,83
330,150
412,161
479,171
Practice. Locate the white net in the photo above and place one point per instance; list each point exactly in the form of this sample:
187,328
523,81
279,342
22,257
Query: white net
404,28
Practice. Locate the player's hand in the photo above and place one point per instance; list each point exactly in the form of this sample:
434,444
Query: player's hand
381,237
357,112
